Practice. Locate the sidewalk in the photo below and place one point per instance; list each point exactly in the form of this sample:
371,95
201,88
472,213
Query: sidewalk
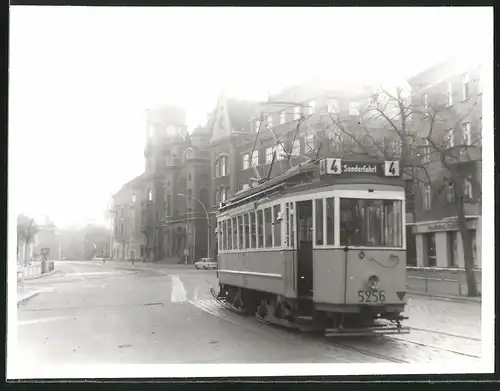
26,294
446,297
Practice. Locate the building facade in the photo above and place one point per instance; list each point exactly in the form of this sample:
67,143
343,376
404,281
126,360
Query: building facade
176,187
452,91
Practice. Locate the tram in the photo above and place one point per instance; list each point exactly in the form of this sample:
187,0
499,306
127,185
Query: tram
320,247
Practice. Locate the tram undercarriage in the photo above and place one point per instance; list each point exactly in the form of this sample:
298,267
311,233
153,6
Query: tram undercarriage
302,314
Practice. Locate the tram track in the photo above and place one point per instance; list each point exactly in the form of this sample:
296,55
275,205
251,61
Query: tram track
446,334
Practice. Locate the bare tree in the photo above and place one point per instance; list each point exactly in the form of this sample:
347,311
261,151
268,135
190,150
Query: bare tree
435,149
26,231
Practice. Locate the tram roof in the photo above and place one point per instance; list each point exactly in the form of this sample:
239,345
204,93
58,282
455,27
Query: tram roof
298,178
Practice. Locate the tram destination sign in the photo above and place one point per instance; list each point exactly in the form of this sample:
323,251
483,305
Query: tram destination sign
333,166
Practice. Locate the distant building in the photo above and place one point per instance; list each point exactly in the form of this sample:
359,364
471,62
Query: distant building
456,84
128,240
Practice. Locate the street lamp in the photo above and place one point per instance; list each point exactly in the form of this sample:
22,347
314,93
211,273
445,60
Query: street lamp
208,220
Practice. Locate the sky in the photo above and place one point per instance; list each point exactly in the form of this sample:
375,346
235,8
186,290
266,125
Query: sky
82,78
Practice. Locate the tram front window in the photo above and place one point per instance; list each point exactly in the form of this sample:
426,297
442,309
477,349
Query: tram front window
371,223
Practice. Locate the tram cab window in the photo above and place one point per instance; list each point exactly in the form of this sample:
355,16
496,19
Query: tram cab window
235,234
269,227
229,235
277,226
253,231
371,223
319,222
247,230
260,228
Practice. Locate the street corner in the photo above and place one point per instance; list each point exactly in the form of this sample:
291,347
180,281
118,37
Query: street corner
24,298
51,273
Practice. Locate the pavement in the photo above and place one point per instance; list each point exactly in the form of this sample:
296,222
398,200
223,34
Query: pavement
117,313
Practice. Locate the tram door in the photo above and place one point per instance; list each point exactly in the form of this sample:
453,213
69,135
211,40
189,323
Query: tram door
304,223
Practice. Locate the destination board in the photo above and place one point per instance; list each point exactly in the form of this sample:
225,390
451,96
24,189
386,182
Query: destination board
334,166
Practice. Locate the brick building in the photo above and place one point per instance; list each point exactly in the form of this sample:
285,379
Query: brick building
453,85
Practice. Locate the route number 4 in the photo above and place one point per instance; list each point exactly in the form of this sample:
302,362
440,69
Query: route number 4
333,166
391,168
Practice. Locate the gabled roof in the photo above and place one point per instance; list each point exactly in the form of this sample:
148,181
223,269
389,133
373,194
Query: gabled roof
132,184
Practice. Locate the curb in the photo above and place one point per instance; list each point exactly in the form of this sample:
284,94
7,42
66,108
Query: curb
444,297
27,298
41,275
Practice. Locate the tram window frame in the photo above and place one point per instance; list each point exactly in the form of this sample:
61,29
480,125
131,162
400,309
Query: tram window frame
260,228
319,226
241,233
246,227
253,230
229,235
268,230
235,233
384,227
330,217
276,226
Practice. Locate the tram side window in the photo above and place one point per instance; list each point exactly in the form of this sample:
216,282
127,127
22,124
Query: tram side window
247,231
269,227
330,221
235,234
287,233
219,235
260,227
241,233
253,231
292,226
319,222
229,235
372,223
224,235
277,226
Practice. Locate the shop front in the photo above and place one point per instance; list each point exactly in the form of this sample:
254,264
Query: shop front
439,243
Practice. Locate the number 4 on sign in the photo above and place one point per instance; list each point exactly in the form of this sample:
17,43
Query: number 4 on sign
333,166
391,168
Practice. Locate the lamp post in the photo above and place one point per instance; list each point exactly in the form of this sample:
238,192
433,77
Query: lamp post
206,215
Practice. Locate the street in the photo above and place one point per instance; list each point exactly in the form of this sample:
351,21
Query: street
116,313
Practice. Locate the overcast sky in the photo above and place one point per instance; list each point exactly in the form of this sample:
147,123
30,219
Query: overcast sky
81,78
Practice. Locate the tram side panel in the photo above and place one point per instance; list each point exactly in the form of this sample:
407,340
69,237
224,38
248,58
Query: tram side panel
264,271
330,277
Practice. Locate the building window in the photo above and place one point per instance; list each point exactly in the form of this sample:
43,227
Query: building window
133,197
466,133
296,113
269,155
255,158
465,86
312,106
319,222
333,106
221,166
260,227
450,138
452,248
150,196
468,188
269,227
257,126
282,117
427,197
449,94
246,161
353,108
277,226
431,249
270,120
280,152
309,140
296,147
450,194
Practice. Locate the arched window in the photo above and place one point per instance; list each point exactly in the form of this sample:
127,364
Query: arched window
150,195
188,154
221,166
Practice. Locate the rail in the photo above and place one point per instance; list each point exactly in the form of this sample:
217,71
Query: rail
439,280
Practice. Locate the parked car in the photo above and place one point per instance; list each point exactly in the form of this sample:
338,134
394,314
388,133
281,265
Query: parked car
206,263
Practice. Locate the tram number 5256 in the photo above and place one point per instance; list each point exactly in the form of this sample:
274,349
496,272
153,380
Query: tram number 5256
371,296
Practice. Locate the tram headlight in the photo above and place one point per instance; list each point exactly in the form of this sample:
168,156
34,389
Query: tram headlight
373,282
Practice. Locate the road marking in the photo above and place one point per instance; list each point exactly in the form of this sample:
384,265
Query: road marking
178,291
34,321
